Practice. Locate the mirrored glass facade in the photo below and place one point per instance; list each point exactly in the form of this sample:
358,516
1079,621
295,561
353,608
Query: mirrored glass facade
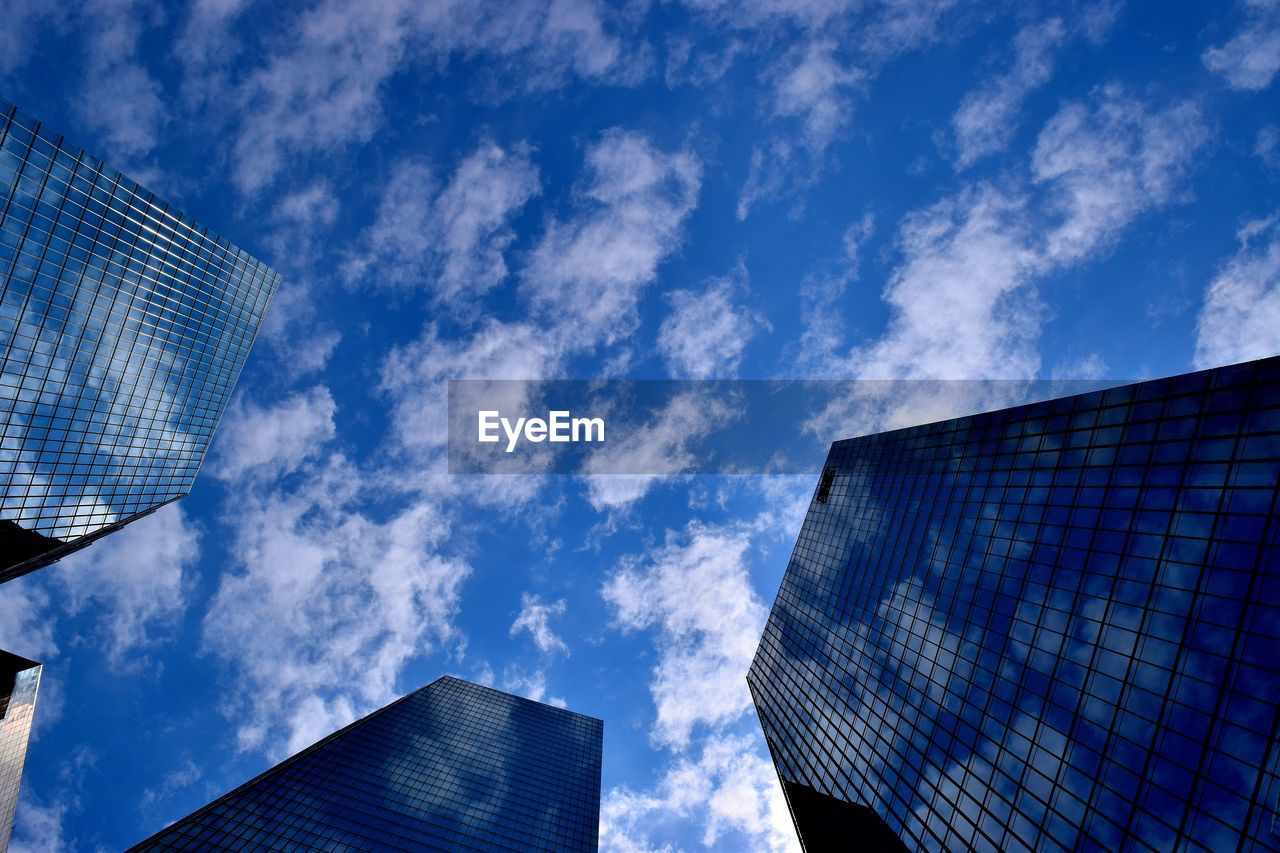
452,766
19,684
1052,627
123,328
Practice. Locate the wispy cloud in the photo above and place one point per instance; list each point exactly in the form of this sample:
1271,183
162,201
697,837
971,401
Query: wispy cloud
324,89
1251,58
706,333
122,101
696,592
337,602
451,242
987,118
1240,319
588,271
728,787
812,91
963,297
137,582
535,618
267,442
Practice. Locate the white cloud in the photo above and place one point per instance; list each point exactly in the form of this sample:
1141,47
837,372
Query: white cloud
706,334
137,579
811,94
730,785
987,118
1240,319
535,620
816,90
587,273
266,442
324,90
452,242
1089,366
183,776
337,602
26,628
1267,147
1108,161
697,593
121,100
622,473
37,826
963,298
1251,59
303,218
530,685
960,304
23,21
301,343
415,375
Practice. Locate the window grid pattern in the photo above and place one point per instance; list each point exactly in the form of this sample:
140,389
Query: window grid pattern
19,684
1051,627
123,328
452,766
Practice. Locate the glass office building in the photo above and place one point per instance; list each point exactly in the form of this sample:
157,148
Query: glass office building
19,683
123,328
452,766
1051,627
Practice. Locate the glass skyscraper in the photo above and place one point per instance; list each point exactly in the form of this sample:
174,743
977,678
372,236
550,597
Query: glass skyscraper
123,328
19,683
452,766
1051,627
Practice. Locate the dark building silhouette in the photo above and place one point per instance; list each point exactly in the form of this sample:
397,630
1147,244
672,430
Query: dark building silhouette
19,683
123,329
452,766
1051,627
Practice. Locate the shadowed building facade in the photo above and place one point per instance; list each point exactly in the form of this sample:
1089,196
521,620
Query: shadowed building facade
19,684
123,329
452,766
1051,627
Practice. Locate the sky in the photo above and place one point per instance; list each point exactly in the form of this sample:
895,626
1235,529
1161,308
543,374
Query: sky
684,189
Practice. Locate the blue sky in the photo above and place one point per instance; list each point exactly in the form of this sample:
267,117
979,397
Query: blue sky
565,189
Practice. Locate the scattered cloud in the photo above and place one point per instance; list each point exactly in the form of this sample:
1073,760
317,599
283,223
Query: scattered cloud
26,628
696,592
811,94
706,333
961,306
23,20
587,273
451,242
136,581
622,473
1267,147
338,603
122,101
38,826
322,90
1240,319
730,787
1107,161
535,620
963,299
988,116
301,342
267,442
1089,366
186,774
1251,58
